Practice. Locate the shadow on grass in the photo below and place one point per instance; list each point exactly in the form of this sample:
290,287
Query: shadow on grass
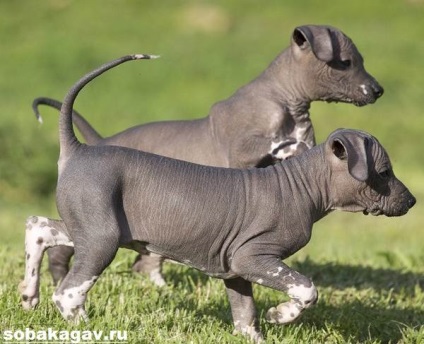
353,318
352,322
335,275
357,322
340,276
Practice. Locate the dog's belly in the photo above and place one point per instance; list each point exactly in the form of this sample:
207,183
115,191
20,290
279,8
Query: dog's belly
212,265
213,268
204,243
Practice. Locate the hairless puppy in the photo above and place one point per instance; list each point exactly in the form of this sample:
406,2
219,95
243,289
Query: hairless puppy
264,121
233,224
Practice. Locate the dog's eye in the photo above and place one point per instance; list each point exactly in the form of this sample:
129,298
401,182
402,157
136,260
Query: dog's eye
340,64
346,63
384,174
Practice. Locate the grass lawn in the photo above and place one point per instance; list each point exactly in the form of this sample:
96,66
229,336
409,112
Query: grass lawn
369,277
369,270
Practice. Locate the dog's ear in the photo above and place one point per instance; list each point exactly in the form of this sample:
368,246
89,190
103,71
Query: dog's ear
318,38
352,147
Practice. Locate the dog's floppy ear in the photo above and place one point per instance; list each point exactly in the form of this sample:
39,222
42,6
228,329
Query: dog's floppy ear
351,146
318,38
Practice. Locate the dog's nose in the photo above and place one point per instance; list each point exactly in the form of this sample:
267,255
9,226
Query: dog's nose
411,202
377,90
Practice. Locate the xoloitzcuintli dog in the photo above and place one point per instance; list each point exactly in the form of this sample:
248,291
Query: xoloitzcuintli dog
233,224
265,120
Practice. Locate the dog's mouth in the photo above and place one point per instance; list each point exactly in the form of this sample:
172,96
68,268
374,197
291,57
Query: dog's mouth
338,100
356,102
360,103
364,102
349,101
374,212
391,213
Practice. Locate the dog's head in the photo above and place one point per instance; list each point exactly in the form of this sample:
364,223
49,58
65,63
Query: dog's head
362,177
336,65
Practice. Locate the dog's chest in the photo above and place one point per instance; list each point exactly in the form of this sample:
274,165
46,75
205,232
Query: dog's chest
289,136
294,226
294,242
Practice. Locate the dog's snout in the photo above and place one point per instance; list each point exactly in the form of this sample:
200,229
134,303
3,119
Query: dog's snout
377,90
411,202
370,92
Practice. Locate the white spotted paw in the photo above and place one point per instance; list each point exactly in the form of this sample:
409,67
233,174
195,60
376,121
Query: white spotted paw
78,316
74,315
28,301
284,313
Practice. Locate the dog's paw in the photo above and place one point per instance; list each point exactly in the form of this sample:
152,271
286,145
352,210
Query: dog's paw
157,278
29,300
284,313
29,303
250,332
77,316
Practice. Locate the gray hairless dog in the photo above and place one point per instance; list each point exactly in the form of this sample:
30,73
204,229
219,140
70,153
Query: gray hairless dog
265,120
233,224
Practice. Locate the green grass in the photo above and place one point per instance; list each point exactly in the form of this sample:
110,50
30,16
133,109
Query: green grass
374,300
369,271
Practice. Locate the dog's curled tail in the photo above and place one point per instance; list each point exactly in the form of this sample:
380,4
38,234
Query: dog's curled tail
90,135
68,140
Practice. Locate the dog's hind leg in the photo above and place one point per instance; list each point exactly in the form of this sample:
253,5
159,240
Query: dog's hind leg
93,253
150,264
59,257
40,234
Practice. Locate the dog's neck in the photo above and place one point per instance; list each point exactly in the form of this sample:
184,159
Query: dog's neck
285,85
305,178
279,84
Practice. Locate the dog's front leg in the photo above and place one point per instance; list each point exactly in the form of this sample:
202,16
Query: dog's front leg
302,293
243,308
272,272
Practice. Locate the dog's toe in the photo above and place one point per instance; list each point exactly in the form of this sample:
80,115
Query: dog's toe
284,313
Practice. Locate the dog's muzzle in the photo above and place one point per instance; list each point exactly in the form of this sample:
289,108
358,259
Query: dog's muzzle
397,209
370,93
